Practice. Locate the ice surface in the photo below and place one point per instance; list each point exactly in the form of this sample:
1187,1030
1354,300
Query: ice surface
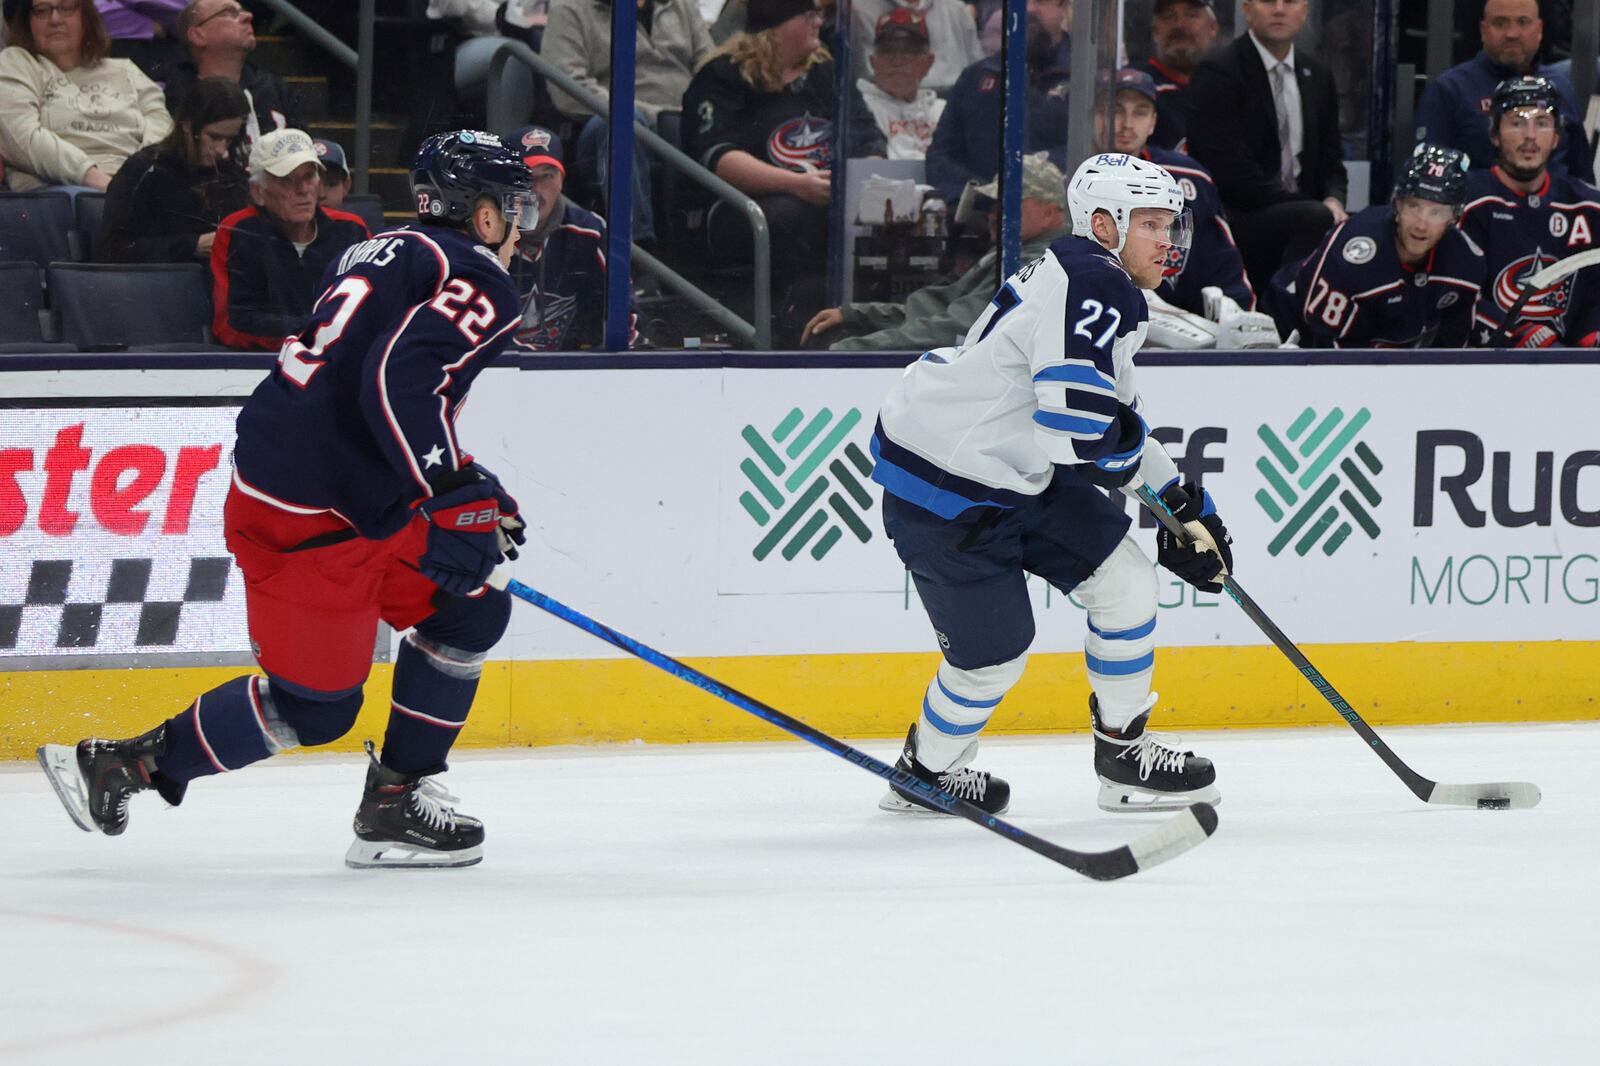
750,904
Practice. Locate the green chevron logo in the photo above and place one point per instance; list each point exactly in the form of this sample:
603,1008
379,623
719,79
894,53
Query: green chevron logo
798,500
1297,470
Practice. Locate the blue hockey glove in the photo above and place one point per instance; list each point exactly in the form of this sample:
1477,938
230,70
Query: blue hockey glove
1117,467
1206,555
512,532
463,536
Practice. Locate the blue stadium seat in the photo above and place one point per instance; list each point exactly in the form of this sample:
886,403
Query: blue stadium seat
370,210
21,300
147,306
90,208
35,227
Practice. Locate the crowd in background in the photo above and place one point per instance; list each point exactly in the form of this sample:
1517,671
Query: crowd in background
204,157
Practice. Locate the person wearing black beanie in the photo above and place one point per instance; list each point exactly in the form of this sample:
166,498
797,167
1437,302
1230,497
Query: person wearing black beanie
764,14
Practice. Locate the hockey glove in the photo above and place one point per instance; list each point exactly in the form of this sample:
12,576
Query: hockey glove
1534,335
463,537
1206,555
1126,439
512,532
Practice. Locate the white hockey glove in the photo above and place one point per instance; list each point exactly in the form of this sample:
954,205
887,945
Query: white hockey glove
1236,327
1173,327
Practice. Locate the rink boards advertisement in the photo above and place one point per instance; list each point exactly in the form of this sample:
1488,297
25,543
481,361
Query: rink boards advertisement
1429,533
109,517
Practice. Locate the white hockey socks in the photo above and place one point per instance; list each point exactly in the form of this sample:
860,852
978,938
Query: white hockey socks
957,707
1119,650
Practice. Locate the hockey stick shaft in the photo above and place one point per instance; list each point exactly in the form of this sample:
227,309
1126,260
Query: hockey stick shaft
1516,793
1538,280
1175,836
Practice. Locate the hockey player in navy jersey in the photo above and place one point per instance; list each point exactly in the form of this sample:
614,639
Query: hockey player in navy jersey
1525,217
1395,275
353,501
994,455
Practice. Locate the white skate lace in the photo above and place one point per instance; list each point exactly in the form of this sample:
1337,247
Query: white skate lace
965,784
429,801
1154,752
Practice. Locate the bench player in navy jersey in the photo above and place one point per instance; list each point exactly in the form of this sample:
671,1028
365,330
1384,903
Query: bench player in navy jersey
994,456
1525,216
1394,275
352,501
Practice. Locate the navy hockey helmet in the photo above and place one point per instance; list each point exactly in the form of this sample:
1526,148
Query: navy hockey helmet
452,170
1522,92
1434,173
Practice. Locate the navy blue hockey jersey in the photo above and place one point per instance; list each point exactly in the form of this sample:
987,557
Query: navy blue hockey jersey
1522,233
562,283
358,417
1354,292
1213,258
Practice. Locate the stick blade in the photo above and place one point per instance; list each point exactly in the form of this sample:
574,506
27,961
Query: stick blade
1187,829
1496,795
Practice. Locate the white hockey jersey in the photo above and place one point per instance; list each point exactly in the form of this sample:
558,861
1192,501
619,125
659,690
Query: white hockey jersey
1034,385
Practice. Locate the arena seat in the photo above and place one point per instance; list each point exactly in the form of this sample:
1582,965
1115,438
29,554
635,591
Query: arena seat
146,306
36,227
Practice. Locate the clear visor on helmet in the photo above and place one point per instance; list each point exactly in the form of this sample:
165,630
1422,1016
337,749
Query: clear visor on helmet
1162,226
521,209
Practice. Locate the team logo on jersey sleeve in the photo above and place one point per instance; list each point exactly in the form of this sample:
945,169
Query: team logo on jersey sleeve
804,144
1360,250
1547,303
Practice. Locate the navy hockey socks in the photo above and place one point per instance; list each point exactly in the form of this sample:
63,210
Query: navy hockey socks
248,719
433,690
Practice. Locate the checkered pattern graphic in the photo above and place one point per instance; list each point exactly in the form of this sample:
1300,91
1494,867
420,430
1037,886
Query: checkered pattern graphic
117,615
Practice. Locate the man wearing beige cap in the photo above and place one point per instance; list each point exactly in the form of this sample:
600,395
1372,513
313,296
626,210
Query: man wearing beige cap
940,314
267,260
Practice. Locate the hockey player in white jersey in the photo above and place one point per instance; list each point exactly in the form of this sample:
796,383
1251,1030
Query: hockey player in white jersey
994,457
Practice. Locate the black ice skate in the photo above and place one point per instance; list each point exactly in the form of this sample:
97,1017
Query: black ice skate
975,786
1141,771
95,779
403,822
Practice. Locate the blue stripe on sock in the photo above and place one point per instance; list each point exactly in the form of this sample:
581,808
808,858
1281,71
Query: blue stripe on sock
947,727
962,701
1120,667
1124,634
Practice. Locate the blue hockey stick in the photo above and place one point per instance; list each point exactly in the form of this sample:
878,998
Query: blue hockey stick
1170,839
1494,795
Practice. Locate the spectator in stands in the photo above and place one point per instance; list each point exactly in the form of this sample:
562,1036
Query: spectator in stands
560,267
268,259
967,140
1181,32
758,114
522,20
672,40
165,203
907,113
145,31
952,36
990,17
1454,104
1263,117
336,180
941,314
1212,259
218,35
69,115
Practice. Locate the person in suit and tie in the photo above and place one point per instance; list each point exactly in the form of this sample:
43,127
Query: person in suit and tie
1263,117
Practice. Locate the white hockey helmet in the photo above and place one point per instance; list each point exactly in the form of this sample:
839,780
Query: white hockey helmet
1117,184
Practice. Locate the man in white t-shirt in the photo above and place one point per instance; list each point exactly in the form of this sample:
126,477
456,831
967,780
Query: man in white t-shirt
901,59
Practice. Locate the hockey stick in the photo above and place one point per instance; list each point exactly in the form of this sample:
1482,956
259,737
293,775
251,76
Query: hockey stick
1170,839
1495,795
1537,281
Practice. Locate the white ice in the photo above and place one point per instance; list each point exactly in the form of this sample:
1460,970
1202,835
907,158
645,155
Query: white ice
750,904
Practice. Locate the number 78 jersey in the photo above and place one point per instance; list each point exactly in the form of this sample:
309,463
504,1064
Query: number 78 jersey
358,417
1035,384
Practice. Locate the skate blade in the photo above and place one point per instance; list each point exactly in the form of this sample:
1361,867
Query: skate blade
60,764
1122,799
898,804
394,855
